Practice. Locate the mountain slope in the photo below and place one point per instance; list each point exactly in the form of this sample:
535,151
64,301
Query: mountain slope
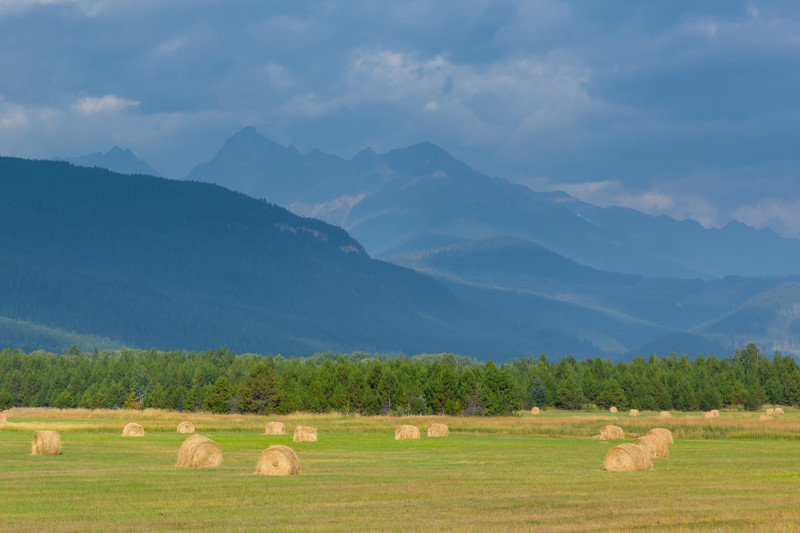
516,264
771,319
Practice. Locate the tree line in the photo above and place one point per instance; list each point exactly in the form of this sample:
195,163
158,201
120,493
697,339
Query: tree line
220,381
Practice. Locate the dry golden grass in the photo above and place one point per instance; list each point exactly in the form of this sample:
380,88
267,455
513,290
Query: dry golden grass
437,430
132,429
656,446
185,427
627,458
406,432
278,460
199,452
736,424
611,432
46,443
661,433
275,428
305,434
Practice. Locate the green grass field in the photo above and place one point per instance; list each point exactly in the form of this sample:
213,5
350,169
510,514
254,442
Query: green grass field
520,473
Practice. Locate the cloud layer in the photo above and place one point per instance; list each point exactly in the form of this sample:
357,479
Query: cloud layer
679,107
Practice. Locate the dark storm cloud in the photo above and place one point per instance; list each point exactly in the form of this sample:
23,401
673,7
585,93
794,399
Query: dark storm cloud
686,108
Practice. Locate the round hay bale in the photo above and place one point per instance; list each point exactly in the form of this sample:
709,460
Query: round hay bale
133,430
655,446
633,412
627,458
278,460
406,432
665,414
535,410
612,433
770,412
765,417
662,433
779,410
711,414
199,452
46,443
437,430
714,412
185,427
275,428
612,409
305,434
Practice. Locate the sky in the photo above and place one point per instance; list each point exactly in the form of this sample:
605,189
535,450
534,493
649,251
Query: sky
685,108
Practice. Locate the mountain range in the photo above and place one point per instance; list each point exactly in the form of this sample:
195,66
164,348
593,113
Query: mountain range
116,159
468,263
421,198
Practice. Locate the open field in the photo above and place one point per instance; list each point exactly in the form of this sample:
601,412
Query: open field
541,473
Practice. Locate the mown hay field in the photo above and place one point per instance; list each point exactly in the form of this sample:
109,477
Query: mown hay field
541,473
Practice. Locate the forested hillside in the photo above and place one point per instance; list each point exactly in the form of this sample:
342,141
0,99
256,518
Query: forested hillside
94,258
153,262
220,381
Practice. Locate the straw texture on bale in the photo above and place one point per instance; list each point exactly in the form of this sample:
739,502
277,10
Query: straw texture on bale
46,443
633,412
278,460
437,430
305,434
612,409
765,417
3,419
712,414
612,433
133,430
663,433
665,414
535,411
779,410
275,428
406,432
655,446
185,427
199,452
627,458
770,411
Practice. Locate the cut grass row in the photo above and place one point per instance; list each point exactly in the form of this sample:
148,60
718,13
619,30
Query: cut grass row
733,424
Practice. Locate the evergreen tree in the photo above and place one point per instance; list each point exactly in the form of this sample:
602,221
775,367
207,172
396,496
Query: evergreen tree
612,394
755,398
537,393
569,394
218,400
64,400
260,393
6,400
